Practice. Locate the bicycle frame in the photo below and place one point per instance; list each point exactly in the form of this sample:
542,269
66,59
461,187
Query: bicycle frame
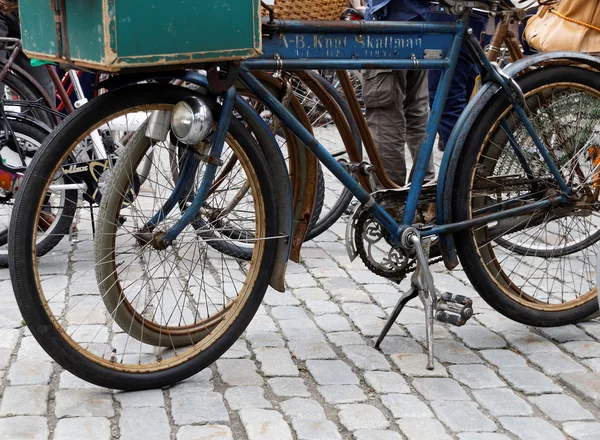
299,45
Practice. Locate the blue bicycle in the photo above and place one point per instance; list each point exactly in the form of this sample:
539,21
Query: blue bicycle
150,301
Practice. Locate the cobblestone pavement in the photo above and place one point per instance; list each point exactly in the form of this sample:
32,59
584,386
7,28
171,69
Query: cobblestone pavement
306,369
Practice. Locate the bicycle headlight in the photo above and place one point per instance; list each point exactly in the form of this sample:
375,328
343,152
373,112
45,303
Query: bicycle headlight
191,120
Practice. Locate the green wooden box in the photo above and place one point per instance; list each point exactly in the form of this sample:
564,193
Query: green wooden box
112,35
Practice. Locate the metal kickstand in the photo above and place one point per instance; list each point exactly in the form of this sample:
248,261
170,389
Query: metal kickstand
421,286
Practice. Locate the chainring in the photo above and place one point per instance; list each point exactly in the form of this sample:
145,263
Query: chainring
393,263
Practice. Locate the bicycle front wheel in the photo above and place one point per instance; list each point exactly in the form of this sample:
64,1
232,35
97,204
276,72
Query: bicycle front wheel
134,315
536,268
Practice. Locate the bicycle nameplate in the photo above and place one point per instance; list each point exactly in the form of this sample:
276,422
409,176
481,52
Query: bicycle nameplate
356,46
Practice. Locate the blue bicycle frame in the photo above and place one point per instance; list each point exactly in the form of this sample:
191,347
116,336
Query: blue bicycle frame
301,45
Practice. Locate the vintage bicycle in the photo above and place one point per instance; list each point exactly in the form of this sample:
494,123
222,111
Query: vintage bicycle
159,302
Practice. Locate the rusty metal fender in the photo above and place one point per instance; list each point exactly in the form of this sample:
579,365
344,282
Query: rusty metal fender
476,106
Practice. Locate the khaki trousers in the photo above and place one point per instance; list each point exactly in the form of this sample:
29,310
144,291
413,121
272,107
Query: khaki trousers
397,110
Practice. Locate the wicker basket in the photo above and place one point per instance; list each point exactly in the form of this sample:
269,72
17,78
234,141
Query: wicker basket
308,9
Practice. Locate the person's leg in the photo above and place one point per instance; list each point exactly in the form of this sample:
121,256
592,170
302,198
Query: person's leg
383,100
416,112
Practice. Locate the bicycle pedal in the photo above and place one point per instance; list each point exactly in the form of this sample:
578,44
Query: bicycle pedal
454,309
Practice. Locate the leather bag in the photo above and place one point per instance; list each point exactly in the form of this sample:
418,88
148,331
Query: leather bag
569,25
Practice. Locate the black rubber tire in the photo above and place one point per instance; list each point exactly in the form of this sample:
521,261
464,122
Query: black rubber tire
28,92
327,219
24,274
45,245
465,244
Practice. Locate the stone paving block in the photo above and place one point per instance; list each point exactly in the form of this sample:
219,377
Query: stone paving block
345,338
502,402
409,315
554,364
288,387
475,376
303,408
261,323
372,326
263,424
405,406
83,403
361,416
591,327
193,407
350,296
366,358
386,299
8,339
357,309
10,318
206,432
311,349
24,401
436,388
200,382
420,429
238,350
529,343
385,382
295,281
312,263
307,429
288,312
238,372
528,380
334,372
500,324
300,329
335,394
583,349
399,345
276,362
332,323
531,428
376,434
582,430
29,373
417,331
88,428
246,397
565,333
311,294
133,399
454,352
503,358
415,365
149,423
462,416
70,381
592,364
482,436
561,408
327,272
24,427
478,337
265,339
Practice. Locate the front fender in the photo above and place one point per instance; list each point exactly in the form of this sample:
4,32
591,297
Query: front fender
453,150
268,145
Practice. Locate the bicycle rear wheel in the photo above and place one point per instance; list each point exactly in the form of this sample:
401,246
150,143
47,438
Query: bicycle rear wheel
136,316
536,268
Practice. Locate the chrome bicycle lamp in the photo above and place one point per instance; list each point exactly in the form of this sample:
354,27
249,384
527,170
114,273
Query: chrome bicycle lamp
191,120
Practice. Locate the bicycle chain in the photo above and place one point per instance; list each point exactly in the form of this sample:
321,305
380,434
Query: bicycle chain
394,200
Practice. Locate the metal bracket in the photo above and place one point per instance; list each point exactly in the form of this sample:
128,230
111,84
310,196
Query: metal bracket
220,82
